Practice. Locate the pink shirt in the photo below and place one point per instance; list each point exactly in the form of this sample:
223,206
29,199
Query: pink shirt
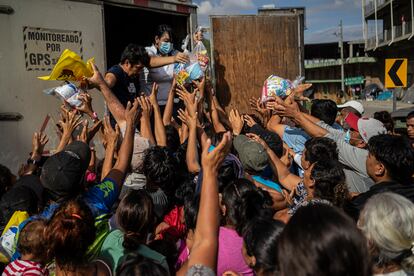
230,256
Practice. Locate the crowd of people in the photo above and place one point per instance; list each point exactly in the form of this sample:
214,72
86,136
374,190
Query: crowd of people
185,188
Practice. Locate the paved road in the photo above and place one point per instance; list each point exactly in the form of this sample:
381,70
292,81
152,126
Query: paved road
374,106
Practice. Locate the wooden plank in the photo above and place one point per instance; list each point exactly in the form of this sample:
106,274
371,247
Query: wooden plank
247,49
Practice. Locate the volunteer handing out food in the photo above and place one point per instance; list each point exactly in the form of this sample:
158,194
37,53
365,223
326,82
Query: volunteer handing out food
163,76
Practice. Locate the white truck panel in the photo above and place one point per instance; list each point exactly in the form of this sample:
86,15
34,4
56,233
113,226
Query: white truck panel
20,90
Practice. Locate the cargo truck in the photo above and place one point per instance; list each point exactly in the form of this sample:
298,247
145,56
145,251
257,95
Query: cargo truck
34,33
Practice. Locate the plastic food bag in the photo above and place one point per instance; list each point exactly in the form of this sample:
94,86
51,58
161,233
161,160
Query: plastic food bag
9,237
188,72
200,52
68,93
276,86
70,67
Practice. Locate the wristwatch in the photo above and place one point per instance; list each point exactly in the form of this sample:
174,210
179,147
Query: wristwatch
32,161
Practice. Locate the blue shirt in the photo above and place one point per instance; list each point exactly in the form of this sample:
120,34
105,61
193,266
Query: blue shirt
99,199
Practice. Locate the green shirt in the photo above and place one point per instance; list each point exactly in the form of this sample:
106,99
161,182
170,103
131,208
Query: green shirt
112,251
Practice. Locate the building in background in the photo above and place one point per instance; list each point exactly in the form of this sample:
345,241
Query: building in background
323,69
388,27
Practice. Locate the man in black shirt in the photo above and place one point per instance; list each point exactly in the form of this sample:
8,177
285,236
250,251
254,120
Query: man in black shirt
123,78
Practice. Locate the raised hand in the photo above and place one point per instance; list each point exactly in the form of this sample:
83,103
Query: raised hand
110,136
188,98
132,113
146,106
257,105
87,133
249,120
257,139
97,80
39,141
181,58
86,106
153,95
70,120
211,161
190,121
290,110
236,121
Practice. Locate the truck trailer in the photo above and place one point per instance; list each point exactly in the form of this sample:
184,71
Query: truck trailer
33,34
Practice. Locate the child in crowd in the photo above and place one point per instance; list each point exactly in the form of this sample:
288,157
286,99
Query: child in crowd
32,247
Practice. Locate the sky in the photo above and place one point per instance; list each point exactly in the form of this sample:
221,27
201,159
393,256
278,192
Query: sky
322,16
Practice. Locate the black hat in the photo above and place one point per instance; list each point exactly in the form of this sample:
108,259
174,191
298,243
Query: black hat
18,198
62,173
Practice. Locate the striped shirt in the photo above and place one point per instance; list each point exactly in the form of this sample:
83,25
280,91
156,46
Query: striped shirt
25,268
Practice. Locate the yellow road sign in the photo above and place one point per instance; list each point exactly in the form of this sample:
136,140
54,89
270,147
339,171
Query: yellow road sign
396,72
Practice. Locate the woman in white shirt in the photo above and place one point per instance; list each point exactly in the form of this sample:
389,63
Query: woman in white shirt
164,75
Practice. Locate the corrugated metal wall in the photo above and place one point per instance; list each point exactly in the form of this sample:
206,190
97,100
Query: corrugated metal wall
247,49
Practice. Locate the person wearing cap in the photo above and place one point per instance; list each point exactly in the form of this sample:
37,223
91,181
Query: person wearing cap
354,107
254,160
351,144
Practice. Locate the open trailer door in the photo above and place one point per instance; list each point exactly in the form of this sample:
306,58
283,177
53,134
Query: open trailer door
137,21
246,49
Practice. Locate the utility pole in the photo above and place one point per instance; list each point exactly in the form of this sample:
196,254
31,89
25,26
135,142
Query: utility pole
341,46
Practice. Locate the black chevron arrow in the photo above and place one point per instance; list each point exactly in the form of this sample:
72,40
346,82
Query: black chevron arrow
393,72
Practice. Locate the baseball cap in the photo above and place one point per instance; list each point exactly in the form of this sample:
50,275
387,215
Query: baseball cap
355,105
18,198
63,172
271,138
252,155
367,127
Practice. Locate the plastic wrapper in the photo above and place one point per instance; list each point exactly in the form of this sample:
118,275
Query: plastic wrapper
276,86
280,87
70,67
186,73
200,52
68,93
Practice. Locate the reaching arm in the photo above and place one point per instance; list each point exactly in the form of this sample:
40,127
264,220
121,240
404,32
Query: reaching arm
70,120
192,153
146,130
292,111
217,125
169,107
114,105
204,250
286,178
125,152
156,61
111,138
160,134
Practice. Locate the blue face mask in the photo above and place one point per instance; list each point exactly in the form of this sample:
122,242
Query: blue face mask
348,136
166,48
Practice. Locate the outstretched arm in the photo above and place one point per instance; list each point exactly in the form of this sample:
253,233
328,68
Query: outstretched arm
286,178
204,250
119,171
114,105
